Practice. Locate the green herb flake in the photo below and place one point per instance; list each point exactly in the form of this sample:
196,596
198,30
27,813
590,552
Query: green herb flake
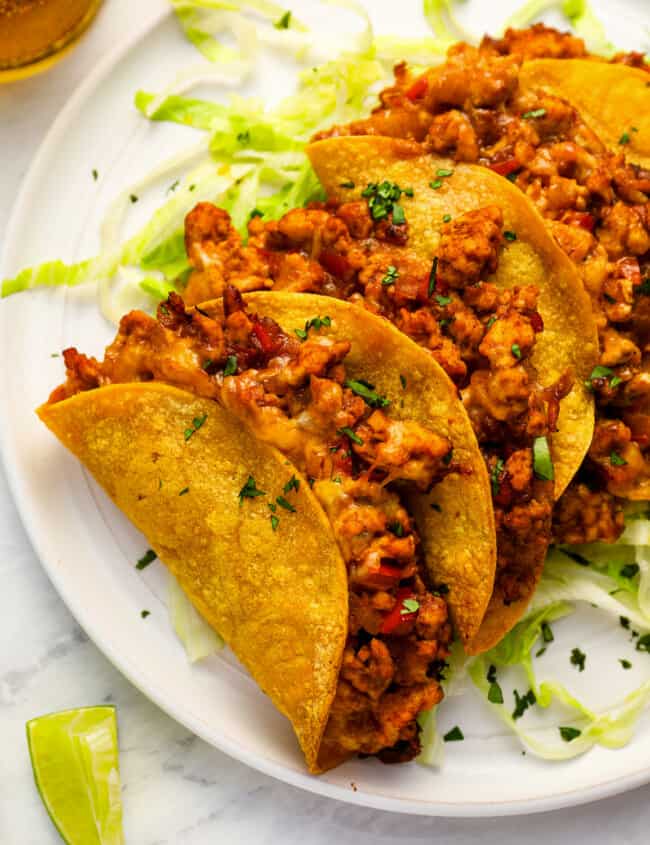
392,274
301,334
542,460
535,113
540,652
578,659
436,184
348,432
367,392
454,735
447,459
274,522
568,734
197,422
495,476
292,484
624,139
256,213
348,184
55,355
510,236
134,198
192,188
95,174
184,491
145,613
433,276
435,507
443,172
625,663
244,137
442,300
490,322
148,557
402,381
516,350
285,504
383,198
629,570
396,528
408,192
231,366
547,633
495,694
409,606
446,218
440,590
173,186
616,460
399,218
284,22
250,491
522,703
625,622
643,643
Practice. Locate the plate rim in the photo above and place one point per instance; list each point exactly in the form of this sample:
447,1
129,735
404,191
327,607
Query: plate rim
257,761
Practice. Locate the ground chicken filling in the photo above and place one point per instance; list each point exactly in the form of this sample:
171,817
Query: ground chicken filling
294,393
482,336
472,109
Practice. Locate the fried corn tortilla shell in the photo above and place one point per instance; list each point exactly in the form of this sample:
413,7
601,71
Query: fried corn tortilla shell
235,569
613,99
458,533
569,340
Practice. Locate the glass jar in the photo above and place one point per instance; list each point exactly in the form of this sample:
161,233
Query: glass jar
35,33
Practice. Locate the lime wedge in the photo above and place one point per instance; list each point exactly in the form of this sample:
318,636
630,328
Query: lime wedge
75,760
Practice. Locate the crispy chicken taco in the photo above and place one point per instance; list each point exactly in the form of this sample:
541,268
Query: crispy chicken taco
458,260
315,485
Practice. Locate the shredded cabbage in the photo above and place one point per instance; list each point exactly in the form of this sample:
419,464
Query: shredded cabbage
199,639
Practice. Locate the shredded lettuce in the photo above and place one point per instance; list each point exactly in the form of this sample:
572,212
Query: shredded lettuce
198,638
441,19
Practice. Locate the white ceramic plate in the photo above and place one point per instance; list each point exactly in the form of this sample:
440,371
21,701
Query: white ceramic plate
89,549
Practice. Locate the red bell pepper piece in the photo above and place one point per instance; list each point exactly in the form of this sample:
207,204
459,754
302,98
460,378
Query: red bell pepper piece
268,345
396,616
418,89
505,167
336,264
537,322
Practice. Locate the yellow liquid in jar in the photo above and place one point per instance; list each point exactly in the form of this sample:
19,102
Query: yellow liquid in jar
35,33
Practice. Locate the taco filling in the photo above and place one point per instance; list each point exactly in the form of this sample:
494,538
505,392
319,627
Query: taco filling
481,335
474,108
294,393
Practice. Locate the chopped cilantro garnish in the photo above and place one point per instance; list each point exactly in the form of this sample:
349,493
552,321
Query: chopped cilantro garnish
435,507
447,459
318,323
440,590
197,422
568,734
578,659
629,570
624,139
436,184
244,137
542,461
643,643
133,198
444,172
442,300
531,115
510,236
392,274
301,334
396,528
495,476
490,322
192,188
231,366
347,431
173,186
148,557
433,276
625,622
616,460
284,22
383,198
250,491
454,735
522,703
540,652
408,192
145,613
402,381
495,694
409,606
95,174
547,633
292,484
274,522
516,351
446,218
256,213
511,177
348,184
367,393
285,504
491,673
625,663
184,491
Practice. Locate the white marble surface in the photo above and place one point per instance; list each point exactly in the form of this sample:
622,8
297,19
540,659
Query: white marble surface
176,788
